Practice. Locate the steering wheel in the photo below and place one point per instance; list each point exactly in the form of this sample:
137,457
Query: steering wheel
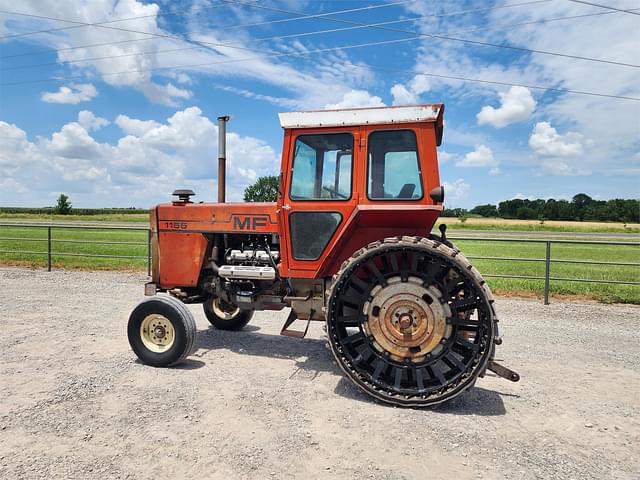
334,193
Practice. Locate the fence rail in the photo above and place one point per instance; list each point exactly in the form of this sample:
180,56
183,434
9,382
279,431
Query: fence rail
50,252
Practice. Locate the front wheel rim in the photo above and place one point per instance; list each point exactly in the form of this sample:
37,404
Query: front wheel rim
157,333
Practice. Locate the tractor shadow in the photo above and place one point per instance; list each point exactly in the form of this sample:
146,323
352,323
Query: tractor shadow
474,401
314,357
309,354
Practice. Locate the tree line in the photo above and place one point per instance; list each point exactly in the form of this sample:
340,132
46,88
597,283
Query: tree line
581,207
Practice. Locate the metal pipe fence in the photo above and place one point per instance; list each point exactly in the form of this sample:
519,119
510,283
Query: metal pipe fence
51,241
51,252
548,260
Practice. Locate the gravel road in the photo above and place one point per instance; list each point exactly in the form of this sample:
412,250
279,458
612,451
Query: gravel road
75,403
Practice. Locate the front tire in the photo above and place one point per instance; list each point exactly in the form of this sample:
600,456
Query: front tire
226,316
161,331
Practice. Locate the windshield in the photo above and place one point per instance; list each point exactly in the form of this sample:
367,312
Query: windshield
322,167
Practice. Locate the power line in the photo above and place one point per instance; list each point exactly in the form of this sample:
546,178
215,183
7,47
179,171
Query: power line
220,62
229,27
205,44
51,50
346,47
445,37
607,7
79,24
317,32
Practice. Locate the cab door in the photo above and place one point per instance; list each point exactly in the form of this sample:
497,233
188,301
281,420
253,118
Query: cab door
319,195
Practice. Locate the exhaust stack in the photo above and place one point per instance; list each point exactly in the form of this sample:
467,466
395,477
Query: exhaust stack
222,157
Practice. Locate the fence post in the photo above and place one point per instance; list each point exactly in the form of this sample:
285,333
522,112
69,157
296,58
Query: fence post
49,248
547,273
149,252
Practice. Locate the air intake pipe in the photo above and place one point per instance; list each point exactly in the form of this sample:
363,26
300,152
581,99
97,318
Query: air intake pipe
222,157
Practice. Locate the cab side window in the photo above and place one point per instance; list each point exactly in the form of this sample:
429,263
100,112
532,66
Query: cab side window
322,167
393,167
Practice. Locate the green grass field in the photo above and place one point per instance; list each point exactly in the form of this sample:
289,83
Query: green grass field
133,244
26,217
503,224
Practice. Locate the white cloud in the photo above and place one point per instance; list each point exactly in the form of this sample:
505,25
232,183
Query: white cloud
132,126
420,84
151,66
10,186
402,96
559,168
356,99
458,190
495,171
407,95
165,94
482,156
90,122
613,123
140,168
444,156
73,141
73,94
546,141
516,105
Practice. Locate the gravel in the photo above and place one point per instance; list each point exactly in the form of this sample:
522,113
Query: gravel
75,402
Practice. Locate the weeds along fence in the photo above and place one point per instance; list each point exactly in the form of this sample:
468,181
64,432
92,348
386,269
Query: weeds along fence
542,266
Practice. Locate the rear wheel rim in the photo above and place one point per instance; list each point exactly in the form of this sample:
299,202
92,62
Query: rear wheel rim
157,333
223,310
447,347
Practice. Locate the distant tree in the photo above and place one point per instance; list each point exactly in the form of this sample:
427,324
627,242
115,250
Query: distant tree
526,213
63,205
454,212
581,200
264,190
487,210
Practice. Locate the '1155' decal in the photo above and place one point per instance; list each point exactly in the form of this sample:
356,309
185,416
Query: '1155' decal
175,225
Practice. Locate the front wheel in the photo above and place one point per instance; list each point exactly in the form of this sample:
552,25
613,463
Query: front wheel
161,331
226,316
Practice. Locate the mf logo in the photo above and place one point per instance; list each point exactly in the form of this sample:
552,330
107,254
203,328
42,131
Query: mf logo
250,222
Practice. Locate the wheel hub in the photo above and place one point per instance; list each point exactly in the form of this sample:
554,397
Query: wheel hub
157,333
407,319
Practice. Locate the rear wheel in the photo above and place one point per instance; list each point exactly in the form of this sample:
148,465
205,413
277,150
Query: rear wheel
226,316
161,331
411,321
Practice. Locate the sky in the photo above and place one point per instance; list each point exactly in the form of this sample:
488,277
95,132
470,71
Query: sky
123,111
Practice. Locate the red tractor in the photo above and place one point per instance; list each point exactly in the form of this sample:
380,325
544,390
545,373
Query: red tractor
348,243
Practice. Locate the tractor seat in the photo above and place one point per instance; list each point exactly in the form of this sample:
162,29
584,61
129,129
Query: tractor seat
407,190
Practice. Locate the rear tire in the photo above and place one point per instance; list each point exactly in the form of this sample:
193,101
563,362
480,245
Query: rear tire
226,316
161,331
411,321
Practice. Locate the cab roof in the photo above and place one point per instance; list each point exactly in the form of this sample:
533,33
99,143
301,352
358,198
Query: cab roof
431,113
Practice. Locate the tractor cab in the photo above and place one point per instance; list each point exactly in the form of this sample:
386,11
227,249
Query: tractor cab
351,176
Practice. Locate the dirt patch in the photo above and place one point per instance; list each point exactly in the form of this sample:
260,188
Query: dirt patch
75,403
